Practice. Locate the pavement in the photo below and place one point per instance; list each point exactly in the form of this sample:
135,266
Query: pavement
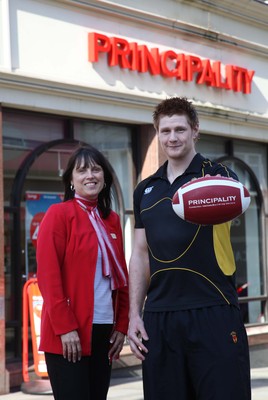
126,383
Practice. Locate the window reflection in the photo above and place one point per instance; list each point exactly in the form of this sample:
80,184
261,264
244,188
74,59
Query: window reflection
247,245
249,161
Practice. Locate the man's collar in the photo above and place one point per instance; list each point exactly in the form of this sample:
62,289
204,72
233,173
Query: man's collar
194,167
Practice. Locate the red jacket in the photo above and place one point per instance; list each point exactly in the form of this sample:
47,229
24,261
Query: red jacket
67,249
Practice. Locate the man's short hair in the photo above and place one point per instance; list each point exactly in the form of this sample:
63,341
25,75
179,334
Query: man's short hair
173,106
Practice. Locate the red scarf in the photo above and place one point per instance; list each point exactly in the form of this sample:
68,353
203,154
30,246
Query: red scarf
111,266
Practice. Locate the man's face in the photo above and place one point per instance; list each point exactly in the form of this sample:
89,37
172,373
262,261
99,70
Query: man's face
176,137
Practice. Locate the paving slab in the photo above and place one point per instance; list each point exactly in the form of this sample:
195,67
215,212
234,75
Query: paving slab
126,383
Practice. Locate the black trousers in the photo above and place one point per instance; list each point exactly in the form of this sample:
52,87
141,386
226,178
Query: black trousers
87,379
199,354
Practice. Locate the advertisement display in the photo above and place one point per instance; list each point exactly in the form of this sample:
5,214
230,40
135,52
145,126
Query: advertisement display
36,204
32,306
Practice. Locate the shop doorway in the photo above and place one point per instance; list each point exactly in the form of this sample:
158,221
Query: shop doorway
39,176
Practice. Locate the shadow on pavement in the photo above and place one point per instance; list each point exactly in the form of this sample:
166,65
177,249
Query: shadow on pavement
255,383
124,375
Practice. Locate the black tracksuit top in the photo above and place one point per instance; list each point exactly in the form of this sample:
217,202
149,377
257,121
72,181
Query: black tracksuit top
191,266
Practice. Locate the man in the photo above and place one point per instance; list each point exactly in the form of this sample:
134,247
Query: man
188,333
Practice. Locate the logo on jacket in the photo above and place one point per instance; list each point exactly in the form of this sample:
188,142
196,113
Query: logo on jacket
234,336
148,190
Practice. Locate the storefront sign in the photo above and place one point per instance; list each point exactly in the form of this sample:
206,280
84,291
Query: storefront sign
169,64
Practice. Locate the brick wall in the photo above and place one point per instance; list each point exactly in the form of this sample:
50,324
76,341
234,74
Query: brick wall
151,153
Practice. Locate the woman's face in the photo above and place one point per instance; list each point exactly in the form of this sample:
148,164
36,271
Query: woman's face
88,181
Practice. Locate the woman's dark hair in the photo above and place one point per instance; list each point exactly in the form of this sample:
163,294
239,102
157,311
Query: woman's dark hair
87,156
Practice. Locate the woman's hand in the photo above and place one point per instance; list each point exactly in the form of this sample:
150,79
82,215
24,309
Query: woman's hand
117,341
71,346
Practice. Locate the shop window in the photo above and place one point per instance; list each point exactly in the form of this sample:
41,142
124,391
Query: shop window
22,133
249,161
247,243
115,142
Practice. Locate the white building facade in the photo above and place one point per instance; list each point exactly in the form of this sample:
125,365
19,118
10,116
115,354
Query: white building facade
92,72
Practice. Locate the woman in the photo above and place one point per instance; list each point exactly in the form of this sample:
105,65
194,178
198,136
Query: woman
82,276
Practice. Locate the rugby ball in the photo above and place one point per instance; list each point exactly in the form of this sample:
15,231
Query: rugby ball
211,200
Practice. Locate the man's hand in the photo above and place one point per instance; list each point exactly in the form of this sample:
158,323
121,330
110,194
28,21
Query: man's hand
137,333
